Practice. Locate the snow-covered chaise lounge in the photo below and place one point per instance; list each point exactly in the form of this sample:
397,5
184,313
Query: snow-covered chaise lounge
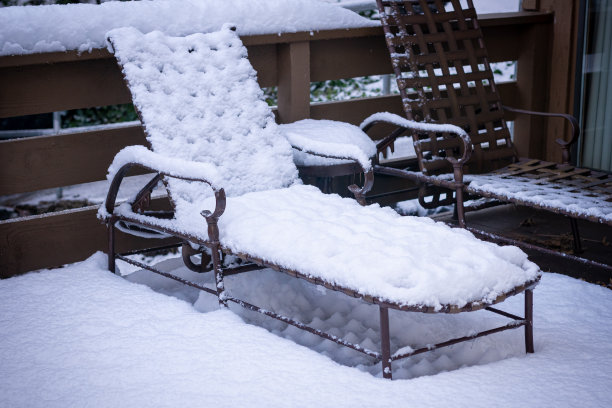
233,184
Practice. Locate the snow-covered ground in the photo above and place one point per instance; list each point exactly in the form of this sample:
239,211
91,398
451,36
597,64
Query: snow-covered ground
80,336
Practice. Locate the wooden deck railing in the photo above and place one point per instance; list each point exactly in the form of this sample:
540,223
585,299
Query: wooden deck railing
59,81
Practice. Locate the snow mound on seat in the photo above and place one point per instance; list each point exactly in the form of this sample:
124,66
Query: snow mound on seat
408,260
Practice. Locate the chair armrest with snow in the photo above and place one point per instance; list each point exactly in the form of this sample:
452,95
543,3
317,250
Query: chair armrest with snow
327,143
447,130
164,167
404,124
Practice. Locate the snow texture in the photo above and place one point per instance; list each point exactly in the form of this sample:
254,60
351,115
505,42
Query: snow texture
220,118
80,336
372,250
82,27
328,137
543,193
199,101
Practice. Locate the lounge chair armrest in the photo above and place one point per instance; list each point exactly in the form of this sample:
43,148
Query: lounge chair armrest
165,166
405,124
168,166
565,146
355,155
360,192
330,150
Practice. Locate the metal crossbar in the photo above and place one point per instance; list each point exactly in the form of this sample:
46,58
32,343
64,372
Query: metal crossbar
512,325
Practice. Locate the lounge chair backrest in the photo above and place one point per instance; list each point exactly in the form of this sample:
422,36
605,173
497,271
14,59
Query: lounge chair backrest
443,74
199,100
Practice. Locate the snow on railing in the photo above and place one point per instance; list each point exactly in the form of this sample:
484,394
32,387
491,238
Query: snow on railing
83,27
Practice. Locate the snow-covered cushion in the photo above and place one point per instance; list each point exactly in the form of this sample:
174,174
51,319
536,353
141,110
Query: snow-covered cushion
200,101
413,261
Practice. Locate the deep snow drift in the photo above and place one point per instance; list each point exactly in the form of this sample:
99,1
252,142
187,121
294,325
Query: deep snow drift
80,336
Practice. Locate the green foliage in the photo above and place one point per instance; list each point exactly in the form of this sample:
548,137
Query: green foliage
349,88
371,14
271,95
335,90
99,116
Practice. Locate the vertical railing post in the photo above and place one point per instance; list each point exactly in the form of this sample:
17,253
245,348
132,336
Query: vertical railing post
533,89
293,81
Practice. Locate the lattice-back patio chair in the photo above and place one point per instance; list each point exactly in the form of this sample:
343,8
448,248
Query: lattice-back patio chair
235,193
444,76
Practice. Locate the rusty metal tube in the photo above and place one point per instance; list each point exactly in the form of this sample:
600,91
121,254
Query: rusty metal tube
385,343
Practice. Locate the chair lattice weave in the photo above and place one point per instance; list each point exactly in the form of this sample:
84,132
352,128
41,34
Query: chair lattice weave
572,191
444,76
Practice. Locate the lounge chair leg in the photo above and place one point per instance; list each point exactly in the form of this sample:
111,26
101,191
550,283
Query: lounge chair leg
219,276
111,246
529,321
385,343
460,210
215,248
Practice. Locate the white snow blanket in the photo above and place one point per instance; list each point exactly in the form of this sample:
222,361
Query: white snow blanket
82,27
81,337
200,102
413,261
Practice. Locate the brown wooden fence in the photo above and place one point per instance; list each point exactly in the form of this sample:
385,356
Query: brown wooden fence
51,82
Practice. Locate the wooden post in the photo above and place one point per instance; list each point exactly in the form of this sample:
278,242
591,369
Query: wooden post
532,84
562,59
293,81
530,5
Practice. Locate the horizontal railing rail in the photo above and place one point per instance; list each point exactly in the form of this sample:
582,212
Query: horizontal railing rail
41,83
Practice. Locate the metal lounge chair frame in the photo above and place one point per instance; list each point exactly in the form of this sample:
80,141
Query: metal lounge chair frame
213,254
444,76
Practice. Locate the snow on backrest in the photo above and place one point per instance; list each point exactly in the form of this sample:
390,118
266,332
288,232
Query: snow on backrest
199,100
